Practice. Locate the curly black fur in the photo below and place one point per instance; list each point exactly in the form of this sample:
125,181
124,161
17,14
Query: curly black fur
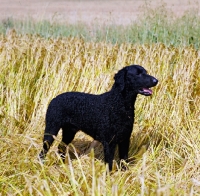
108,117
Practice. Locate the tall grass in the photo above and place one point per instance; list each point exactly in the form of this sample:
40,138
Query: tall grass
153,26
165,142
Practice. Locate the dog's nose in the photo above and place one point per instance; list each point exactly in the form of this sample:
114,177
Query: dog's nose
155,81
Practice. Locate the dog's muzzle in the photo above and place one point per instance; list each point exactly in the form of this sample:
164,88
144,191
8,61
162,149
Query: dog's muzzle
146,90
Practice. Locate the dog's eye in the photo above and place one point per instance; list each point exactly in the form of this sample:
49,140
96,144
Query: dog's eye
139,73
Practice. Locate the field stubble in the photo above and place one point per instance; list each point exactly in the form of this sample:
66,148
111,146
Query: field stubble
33,70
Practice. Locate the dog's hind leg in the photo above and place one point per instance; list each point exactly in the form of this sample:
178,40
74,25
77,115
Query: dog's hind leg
68,133
51,130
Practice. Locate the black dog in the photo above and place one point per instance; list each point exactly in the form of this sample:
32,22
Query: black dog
108,117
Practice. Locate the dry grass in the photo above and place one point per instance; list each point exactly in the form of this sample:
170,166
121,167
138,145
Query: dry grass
33,70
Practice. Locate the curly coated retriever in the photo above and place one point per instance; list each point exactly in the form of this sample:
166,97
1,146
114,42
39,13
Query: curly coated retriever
107,117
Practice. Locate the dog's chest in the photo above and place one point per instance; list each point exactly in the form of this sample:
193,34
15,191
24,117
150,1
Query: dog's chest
123,118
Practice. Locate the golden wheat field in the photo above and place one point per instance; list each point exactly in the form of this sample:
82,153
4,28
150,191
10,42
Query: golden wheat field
165,143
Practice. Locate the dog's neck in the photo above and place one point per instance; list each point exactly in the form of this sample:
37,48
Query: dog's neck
127,96
129,99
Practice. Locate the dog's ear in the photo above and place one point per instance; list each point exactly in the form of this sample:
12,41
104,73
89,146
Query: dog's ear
120,79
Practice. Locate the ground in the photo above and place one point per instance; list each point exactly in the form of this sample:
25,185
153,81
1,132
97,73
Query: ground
88,11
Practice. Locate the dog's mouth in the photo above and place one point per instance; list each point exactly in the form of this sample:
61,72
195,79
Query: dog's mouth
145,91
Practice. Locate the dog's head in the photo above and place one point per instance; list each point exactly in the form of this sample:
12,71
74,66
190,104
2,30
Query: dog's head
135,78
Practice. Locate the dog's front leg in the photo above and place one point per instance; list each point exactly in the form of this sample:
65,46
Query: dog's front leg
123,149
109,151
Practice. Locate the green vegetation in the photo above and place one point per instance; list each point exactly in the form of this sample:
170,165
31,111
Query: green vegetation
160,26
34,69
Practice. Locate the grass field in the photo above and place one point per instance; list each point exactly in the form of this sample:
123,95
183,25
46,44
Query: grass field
158,25
36,66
